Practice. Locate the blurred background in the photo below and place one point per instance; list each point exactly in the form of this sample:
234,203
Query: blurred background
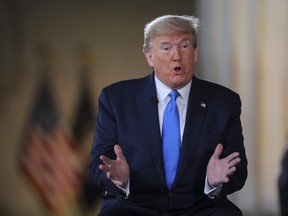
56,56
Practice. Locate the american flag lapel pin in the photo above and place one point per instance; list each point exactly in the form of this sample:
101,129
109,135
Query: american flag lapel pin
203,104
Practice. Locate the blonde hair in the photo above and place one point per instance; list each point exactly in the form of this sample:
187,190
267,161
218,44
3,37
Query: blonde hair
171,24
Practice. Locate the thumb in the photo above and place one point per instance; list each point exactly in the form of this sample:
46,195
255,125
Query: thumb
218,151
118,151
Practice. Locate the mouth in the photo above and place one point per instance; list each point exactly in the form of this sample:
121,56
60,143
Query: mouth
178,69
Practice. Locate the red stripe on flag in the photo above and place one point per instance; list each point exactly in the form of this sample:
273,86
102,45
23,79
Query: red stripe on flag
52,166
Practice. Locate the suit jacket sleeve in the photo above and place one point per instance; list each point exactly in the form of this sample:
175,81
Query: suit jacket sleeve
105,137
233,142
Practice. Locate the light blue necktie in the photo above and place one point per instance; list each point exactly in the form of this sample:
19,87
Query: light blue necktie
171,138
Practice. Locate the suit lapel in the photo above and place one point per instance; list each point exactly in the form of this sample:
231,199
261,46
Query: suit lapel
148,111
196,112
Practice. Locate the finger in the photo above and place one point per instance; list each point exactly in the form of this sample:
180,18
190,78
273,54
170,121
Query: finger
104,168
232,156
234,162
218,151
231,171
105,160
108,174
226,180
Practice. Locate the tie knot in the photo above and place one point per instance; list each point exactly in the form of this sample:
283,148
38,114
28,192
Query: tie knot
174,94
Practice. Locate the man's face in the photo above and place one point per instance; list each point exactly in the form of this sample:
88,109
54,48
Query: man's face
173,59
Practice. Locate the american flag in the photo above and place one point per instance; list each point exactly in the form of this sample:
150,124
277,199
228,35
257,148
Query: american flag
83,126
48,157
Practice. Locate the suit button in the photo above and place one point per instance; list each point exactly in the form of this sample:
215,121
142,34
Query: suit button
170,195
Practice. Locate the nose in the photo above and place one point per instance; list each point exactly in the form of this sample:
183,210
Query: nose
176,54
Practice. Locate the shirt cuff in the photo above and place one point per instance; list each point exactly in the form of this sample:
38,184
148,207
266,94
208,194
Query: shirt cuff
212,192
125,191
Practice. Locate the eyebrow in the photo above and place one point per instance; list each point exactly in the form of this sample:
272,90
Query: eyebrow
164,43
181,41
185,39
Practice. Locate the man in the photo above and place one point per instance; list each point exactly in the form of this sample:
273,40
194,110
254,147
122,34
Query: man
283,184
131,158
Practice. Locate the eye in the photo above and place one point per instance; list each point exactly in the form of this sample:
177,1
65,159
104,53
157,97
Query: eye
165,48
185,46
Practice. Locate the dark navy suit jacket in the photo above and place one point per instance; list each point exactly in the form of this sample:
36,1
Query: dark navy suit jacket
128,116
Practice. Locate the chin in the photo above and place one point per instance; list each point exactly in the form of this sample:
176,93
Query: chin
178,83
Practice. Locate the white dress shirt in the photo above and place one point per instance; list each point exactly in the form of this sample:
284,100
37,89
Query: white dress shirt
181,101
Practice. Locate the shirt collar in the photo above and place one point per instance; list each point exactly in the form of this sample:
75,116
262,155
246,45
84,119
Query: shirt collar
163,90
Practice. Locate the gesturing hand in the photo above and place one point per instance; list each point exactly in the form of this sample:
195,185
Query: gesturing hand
116,170
219,170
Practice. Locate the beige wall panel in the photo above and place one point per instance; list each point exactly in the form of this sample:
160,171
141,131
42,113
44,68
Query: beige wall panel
271,65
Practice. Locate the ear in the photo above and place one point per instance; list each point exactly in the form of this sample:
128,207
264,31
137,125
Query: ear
149,59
